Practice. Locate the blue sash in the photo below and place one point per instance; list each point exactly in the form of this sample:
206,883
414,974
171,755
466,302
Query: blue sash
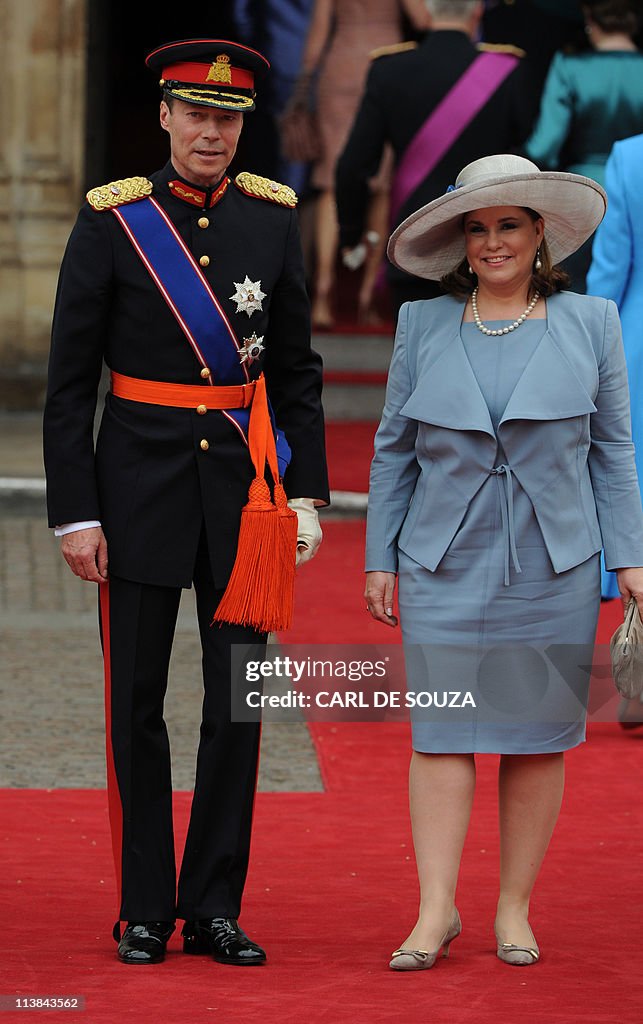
192,303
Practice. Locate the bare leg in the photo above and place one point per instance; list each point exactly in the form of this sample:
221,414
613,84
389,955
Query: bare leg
326,237
530,788
441,788
378,214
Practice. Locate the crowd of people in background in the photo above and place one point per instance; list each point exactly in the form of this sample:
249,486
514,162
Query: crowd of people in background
369,75
566,87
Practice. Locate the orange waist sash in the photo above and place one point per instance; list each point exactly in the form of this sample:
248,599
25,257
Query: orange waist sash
183,396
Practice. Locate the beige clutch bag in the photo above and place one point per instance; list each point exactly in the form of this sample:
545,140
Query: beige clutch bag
626,651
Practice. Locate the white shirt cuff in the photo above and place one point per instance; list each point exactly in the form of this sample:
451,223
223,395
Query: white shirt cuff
60,531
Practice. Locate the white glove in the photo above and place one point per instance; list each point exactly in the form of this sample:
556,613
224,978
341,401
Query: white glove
309,534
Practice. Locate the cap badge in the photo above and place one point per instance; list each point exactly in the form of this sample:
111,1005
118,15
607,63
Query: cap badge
220,70
252,349
248,296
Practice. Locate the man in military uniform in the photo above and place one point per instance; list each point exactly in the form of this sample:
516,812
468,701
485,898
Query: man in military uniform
406,85
190,287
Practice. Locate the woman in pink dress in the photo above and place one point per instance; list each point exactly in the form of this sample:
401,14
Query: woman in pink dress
340,42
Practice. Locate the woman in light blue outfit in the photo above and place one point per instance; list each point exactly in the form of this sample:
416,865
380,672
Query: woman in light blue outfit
503,464
591,99
617,273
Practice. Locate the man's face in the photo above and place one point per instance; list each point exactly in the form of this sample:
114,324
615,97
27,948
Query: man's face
203,140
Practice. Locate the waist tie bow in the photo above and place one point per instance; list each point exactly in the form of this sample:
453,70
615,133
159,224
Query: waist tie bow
507,513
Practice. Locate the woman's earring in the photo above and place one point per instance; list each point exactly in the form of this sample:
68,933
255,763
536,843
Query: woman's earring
538,263
470,269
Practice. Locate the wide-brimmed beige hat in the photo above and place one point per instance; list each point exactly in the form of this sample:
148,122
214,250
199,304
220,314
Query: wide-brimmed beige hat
430,242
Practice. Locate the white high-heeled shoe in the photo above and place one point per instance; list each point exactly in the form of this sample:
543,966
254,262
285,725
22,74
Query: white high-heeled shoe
517,956
420,959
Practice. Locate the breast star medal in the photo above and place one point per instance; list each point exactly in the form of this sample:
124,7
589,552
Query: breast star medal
252,349
248,296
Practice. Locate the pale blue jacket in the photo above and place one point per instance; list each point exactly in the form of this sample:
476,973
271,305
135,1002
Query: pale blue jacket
617,265
565,433
617,273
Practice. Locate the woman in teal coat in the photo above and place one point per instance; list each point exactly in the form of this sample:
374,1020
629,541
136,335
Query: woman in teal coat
590,100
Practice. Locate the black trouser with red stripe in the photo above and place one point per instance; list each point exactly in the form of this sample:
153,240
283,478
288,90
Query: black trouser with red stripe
137,623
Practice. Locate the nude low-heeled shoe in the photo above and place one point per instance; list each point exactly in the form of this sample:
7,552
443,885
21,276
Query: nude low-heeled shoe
421,959
517,956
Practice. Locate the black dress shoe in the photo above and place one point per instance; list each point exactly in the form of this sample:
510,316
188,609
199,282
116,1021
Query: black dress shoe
144,942
224,940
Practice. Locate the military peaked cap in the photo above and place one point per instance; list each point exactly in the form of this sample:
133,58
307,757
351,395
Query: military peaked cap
209,72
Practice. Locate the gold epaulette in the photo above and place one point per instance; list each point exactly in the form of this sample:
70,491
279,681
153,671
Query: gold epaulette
116,193
515,51
388,51
265,188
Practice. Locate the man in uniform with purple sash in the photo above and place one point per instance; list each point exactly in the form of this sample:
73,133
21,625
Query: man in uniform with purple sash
440,105
190,288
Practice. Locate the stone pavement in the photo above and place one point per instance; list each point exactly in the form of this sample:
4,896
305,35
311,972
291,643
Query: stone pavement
51,731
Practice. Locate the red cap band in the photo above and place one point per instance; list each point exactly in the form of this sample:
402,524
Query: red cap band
215,73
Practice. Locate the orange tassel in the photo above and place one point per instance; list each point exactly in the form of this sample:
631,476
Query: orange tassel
287,553
260,591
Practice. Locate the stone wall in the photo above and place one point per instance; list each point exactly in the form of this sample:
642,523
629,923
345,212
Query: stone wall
42,134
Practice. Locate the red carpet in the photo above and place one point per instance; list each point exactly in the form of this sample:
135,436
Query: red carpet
346,324
332,885
331,890
349,447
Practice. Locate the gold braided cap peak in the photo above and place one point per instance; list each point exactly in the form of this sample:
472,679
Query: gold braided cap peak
391,49
266,188
117,193
515,51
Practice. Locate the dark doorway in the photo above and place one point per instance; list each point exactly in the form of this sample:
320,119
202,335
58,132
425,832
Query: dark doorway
123,134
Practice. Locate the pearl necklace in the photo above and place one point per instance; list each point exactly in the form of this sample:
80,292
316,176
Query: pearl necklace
503,330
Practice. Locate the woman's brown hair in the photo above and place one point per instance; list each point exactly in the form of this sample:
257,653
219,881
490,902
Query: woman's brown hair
612,15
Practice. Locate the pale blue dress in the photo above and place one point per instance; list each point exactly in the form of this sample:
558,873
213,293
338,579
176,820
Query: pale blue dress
494,620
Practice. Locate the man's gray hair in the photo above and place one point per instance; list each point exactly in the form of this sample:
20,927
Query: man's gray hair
451,10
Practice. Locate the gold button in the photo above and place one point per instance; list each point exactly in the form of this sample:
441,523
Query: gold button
201,409
204,445
205,261
203,222
205,372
